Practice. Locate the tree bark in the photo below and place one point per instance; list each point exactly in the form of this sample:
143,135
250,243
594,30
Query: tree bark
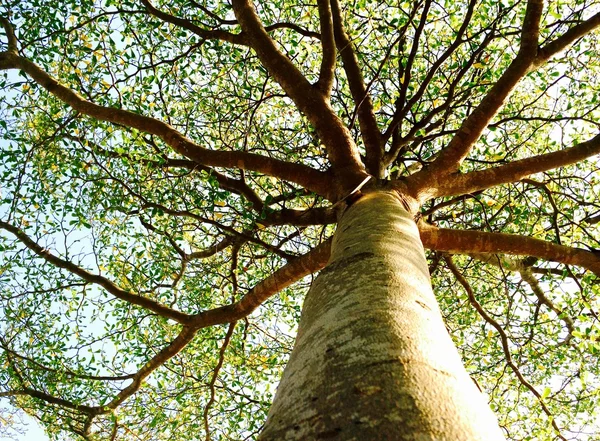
373,359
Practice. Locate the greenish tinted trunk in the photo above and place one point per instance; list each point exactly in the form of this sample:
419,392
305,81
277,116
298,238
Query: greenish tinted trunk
373,360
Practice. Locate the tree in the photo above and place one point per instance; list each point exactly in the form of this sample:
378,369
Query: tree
172,175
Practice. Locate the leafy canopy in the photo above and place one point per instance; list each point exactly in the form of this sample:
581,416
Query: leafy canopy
168,166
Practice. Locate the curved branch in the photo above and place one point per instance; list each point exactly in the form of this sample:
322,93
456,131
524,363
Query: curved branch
90,410
280,66
504,341
10,35
569,37
99,280
328,59
246,235
529,58
312,179
341,149
214,377
461,144
294,27
280,25
362,99
290,273
469,241
405,73
185,336
212,14
403,108
233,185
214,34
66,372
527,275
457,184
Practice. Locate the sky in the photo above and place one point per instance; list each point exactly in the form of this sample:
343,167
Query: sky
34,431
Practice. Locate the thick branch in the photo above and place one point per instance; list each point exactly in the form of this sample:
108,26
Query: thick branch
341,149
10,35
90,410
529,58
327,70
299,218
530,31
469,242
461,144
364,107
109,286
280,279
457,184
569,37
280,66
214,34
312,179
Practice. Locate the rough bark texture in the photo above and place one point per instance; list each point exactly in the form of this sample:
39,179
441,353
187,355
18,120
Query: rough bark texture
373,360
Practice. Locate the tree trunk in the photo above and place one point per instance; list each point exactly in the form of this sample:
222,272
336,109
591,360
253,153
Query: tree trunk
373,359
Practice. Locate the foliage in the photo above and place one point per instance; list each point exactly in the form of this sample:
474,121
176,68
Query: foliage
119,210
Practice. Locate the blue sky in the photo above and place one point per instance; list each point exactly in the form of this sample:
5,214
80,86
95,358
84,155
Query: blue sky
34,432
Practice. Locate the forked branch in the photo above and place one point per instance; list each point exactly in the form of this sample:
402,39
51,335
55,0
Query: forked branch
529,58
185,336
341,149
364,106
527,275
96,279
206,34
504,341
449,159
568,38
309,178
285,276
